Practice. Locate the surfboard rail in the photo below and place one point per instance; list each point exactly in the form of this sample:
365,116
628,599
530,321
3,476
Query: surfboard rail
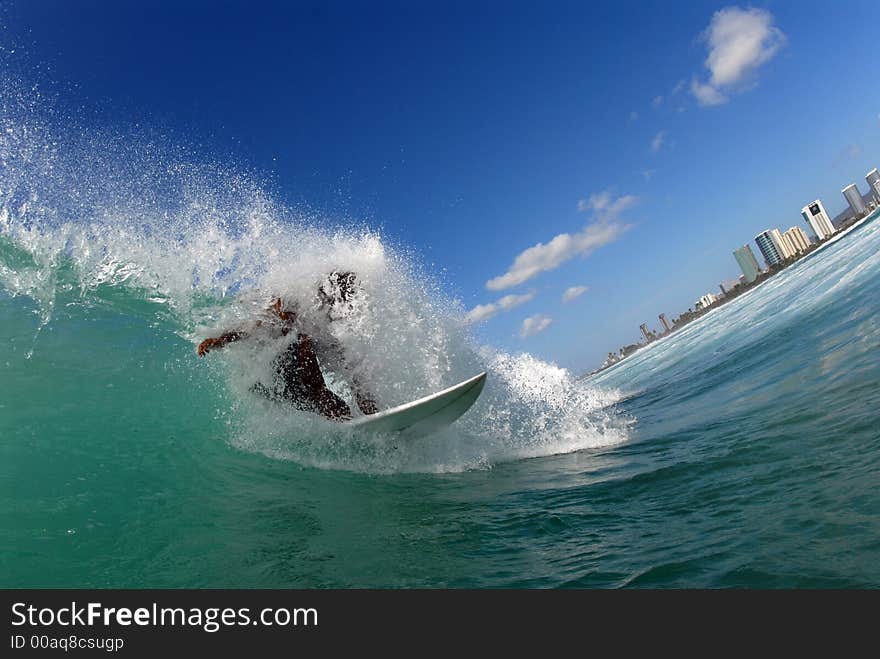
426,414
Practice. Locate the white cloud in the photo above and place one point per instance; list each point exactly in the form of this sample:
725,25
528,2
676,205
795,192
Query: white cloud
596,202
658,141
573,293
543,257
657,102
549,256
483,312
633,115
706,94
533,325
678,87
739,41
508,302
605,206
648,173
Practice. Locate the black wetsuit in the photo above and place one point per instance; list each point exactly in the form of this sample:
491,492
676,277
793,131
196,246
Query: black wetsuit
299,381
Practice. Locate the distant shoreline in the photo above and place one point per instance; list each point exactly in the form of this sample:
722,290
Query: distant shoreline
840,235
806,257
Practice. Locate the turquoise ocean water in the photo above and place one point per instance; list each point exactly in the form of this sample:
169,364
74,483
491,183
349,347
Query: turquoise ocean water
742,451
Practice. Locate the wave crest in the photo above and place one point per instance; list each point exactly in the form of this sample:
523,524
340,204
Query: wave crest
136,222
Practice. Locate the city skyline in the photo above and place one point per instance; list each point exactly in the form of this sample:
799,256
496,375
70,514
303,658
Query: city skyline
778,250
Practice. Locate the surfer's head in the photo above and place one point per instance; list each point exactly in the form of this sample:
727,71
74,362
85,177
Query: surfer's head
338,288
338,294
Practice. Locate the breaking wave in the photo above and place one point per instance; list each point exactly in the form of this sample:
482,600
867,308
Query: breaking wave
130,222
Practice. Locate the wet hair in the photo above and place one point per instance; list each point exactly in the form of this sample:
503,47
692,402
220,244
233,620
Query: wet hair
337,287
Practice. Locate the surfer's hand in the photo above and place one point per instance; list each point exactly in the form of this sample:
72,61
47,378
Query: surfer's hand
218,342
206,345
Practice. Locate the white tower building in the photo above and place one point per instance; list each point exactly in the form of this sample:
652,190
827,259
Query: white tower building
817,217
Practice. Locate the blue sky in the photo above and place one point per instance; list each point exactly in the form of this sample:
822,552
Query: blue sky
635,143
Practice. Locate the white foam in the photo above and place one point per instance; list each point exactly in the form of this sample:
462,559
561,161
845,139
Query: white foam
204,246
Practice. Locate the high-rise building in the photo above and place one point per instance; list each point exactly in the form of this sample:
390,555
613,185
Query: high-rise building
873,179
782,245
798,238
664,322
790,247
854,199
645,332
707,300
767,245
817,217
747,263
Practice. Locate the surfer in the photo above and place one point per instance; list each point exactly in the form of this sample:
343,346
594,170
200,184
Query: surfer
297,373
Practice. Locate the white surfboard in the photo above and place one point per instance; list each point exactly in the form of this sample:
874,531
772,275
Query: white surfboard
427,414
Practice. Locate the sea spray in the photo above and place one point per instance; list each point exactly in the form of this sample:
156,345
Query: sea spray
133,223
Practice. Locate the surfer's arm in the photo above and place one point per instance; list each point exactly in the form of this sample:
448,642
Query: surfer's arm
287,318
312,379
218,342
